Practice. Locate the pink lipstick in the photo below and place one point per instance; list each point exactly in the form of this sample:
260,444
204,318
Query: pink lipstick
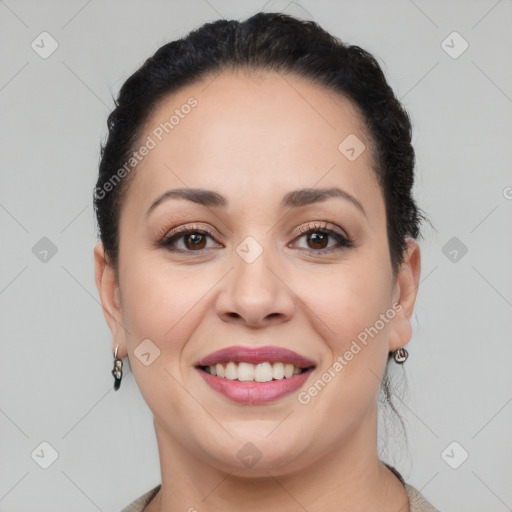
269,372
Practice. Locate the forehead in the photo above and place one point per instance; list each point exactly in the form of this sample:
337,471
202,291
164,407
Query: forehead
255,135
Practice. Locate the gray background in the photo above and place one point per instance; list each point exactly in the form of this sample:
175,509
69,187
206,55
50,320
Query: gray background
55,379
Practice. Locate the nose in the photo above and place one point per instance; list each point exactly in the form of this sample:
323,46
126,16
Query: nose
255,294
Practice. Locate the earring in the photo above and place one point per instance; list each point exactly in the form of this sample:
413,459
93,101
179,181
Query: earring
117,372
400,355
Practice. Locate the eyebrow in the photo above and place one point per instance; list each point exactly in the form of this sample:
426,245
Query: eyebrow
294,199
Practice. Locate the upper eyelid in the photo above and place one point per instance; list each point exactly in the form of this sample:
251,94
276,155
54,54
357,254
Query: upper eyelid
317,224
323,225
165,234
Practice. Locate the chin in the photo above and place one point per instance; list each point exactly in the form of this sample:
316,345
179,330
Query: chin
256,455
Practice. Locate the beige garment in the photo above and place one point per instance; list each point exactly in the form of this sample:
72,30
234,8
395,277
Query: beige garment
417,502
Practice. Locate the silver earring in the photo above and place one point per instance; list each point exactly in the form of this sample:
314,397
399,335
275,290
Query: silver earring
400,355
117,372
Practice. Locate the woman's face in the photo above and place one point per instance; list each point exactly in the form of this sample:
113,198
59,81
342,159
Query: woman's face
256,279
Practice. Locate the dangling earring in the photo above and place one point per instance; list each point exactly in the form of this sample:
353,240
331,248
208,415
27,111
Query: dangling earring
400,355
117,372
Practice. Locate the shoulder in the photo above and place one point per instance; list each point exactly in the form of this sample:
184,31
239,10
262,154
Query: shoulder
417,502
139,504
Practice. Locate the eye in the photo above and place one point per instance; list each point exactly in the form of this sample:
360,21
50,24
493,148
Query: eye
318,235
194,239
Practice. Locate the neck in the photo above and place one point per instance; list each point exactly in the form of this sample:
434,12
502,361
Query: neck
350,477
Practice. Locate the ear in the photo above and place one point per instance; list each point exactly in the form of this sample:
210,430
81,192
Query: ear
108,289
404,293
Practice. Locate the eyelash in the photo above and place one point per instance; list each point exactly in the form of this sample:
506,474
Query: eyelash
178,233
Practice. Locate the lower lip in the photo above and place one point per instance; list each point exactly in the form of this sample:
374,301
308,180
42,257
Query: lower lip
252,392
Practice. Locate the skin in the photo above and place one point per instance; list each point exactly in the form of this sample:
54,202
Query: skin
253,139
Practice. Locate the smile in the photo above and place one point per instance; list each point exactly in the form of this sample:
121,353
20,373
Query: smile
262,372
255,375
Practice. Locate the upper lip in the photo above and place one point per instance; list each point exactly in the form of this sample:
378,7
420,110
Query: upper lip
269,353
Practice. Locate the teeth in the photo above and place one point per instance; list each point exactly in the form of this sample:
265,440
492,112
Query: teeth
231,371
245,371
262,372
278,370
219,370
288,370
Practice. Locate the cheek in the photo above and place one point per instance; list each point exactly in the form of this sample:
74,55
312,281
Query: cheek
354,304
347,313
345,303
161,306
160,303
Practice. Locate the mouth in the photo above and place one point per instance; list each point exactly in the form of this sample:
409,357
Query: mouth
255,375
244,371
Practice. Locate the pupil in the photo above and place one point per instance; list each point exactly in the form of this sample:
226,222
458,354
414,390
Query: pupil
315,235
196,239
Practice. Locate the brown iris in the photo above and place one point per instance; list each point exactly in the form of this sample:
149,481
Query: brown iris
198,241
318,238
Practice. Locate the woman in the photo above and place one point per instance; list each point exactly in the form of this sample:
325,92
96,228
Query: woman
258,265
